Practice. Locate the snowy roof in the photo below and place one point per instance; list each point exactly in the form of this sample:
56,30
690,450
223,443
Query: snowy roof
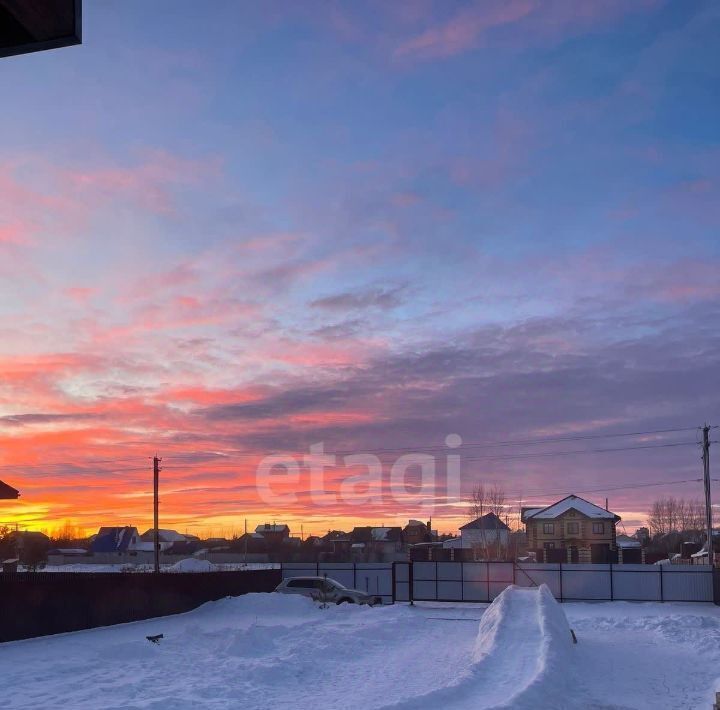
271,528
490,521
391,534
452,543
113,539
625,541
581,505
164,535
529,512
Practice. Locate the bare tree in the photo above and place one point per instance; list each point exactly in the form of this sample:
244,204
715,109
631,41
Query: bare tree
483,500
672,515
496,497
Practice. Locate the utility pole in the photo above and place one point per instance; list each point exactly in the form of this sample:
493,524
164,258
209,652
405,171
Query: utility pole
706,480
156,507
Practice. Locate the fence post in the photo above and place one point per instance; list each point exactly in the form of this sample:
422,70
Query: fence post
561,584
612,593
411,583
662,593
487,579
436,580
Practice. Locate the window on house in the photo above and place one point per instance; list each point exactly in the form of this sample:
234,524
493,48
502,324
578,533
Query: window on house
598,528
573,528
549,528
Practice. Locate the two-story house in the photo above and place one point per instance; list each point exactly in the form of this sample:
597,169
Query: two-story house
571,530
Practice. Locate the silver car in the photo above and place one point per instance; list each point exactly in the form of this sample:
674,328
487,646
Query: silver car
325,589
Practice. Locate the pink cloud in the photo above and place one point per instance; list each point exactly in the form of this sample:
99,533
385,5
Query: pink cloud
80,294
148,183
464,30
471,27
29,211
14,233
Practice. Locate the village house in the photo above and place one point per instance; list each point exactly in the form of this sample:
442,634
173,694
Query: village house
273,534
8,492
376,544
416,532
116,540
572,530
166,539
487,530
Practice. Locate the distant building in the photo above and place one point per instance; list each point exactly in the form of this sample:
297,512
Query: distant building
376,544
68,552
8,492
273,534
336,546
166,539
642,534
627,542
416,532
488,535
116,539
572,530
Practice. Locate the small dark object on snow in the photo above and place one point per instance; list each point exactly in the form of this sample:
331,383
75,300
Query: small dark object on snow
154,639
573,635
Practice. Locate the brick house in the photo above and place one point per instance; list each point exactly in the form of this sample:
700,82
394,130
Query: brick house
572,530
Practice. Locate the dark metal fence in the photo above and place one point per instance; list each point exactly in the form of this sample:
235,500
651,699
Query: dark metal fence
41,603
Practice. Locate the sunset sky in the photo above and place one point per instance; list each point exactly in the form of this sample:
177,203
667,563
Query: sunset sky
234,229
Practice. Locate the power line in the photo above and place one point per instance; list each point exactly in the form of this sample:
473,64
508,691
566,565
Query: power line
420,448
85,462
541,454
606,488
503,457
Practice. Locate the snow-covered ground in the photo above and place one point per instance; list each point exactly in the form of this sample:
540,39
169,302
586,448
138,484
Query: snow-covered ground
186,565
277,651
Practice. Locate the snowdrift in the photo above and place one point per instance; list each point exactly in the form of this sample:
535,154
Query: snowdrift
524,650
192,564
523,657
